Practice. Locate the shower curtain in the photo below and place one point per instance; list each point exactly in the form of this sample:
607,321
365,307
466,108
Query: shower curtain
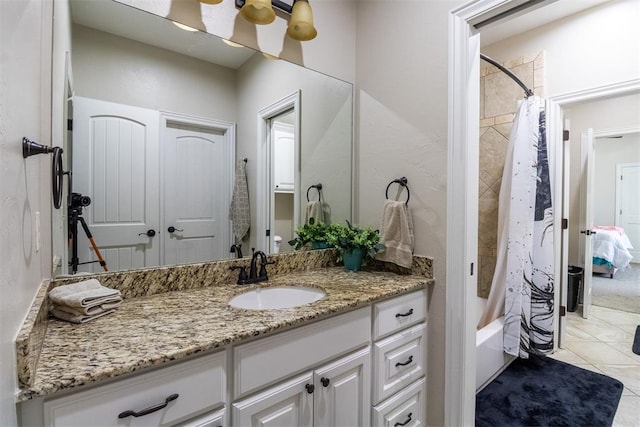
523,282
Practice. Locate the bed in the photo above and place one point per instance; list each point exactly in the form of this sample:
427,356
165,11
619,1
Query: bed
610,249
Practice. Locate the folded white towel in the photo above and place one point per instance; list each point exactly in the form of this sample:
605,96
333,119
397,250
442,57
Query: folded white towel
87,311
396,234
314,210
88,293
77,318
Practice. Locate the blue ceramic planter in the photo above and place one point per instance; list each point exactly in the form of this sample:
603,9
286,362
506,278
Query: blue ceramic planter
353,260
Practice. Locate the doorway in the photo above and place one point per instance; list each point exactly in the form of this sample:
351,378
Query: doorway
278,197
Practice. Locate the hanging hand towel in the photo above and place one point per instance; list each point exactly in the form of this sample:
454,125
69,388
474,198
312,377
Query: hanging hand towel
314,210
396,234
239,211
80,295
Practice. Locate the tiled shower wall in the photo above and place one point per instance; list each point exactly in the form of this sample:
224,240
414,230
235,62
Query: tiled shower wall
499,96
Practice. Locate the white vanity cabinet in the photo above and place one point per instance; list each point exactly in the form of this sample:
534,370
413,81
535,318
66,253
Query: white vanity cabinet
399,361
194,392
336,394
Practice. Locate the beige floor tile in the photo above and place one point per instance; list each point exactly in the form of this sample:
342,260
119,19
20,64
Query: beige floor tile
575,333
606,333
629,375
627,414
568,356
599,353
621,318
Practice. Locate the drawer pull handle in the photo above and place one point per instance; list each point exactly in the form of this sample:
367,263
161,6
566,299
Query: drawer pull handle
310,388
148,410
409,360
325,381
404,423
408,313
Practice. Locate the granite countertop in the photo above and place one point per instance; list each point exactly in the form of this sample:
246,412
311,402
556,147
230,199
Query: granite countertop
151,330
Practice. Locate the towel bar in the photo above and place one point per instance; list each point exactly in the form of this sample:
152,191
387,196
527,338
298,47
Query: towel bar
403,182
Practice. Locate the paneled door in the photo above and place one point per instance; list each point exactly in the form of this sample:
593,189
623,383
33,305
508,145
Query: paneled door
115,162
628,204
195,217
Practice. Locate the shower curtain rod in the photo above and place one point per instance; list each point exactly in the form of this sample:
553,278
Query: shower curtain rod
528,92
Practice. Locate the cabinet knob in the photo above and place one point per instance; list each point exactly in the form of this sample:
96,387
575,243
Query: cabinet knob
325,381
310,388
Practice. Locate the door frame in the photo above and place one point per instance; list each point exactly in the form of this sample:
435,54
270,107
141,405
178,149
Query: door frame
263,197
229,131
462,200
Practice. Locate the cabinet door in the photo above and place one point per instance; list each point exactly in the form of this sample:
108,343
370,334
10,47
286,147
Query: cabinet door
343,391
212,419
286,404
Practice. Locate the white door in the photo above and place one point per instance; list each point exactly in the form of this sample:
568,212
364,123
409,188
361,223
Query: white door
115,163
195,220
628,204
586,226
282,137
342,396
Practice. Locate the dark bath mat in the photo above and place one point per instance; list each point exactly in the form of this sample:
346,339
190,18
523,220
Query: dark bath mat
542,391
636,341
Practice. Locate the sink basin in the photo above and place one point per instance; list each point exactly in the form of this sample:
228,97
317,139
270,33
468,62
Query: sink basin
276,297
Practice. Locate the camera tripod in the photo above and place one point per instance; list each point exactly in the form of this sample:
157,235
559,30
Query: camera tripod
75,217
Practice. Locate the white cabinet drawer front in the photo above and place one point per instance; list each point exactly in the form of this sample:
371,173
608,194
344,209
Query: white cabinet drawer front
286,404
398,313
406,408
398,360
271,359
200,385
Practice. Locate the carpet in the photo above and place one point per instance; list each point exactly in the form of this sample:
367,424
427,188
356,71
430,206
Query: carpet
541,391
622,292
636,342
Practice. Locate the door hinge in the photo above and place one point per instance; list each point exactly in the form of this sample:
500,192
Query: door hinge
565,135
563,311
268,233
472,269
565,223
69,124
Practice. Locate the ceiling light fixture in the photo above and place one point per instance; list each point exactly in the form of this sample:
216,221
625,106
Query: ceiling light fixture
261,12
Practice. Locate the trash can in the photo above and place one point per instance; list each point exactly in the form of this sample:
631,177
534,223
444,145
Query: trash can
574,282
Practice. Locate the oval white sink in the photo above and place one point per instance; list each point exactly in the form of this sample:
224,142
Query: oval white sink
276,297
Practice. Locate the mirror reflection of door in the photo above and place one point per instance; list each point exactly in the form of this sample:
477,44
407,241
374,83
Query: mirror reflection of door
155,186
283,183
194,219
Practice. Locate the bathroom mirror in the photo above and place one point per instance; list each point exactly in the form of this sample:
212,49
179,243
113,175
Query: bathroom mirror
156,82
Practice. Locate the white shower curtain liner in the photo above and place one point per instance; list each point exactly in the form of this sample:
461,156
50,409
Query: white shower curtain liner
523,282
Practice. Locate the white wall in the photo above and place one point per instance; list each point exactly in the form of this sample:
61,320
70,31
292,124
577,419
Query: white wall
401,105
120,70
610,152
25,110
595,47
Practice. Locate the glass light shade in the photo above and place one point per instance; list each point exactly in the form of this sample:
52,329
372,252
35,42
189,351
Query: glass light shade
258,12
301,23
211,1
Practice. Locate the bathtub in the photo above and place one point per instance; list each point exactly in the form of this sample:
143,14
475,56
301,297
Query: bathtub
491,360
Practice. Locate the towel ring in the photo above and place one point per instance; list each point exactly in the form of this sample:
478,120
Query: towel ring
317,187
402,182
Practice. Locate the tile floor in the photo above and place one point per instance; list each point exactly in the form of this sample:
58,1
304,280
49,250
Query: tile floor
602,343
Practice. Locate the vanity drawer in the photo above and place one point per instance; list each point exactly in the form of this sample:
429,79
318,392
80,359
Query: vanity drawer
200,385
406,408
398,313
274,358
398,361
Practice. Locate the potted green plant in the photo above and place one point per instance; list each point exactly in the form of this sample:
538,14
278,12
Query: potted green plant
313,234
355,244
